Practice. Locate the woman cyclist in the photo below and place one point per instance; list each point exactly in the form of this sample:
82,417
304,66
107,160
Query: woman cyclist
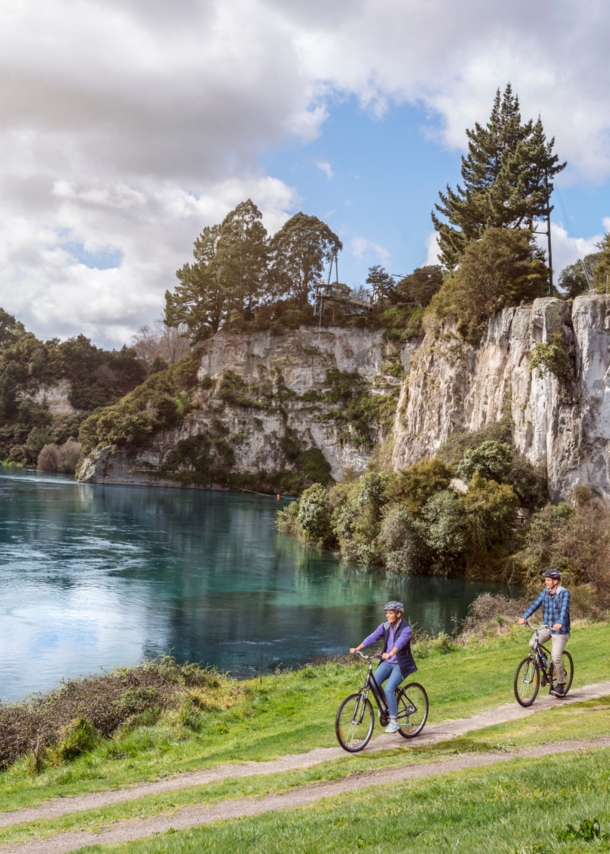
397,661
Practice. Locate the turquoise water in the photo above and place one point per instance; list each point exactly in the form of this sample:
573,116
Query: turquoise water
98,576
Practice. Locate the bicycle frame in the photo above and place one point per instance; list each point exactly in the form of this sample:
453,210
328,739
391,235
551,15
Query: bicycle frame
541,653
370,683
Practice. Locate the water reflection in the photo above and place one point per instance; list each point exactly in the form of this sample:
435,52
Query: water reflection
97,576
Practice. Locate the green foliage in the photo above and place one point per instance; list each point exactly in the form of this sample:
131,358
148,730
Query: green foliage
601,280
574,280
77,738
552,357
420,285
155,405
491,460
507,178
300,250
314,515
445,530
357,517
491,513
588,830
502,268
402,543
456,446
414,486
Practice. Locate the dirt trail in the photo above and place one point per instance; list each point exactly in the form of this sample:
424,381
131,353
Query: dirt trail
433,734
129,831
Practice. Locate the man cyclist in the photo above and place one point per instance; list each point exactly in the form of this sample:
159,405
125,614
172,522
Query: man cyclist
555,603
397,657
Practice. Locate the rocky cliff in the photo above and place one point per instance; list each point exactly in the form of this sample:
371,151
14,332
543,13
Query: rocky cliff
271,397
563,422
291,395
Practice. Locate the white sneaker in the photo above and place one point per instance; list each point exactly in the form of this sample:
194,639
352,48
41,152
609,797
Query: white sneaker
393,726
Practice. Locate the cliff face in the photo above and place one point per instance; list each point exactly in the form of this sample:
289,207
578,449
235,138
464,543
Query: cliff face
288,397
563,423
446,384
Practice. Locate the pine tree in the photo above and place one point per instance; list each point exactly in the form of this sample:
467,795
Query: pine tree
507,179
601,281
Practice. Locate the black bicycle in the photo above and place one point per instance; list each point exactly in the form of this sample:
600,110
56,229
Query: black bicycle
537,670
356,719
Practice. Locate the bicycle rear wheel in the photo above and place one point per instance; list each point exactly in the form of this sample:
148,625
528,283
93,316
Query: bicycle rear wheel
412,709
568,664
354,723
527,681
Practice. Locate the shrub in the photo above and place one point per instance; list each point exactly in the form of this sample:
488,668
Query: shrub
500,269
401,543
314,515
491,460
79,737
414,486
552,357
459,442
60,458
287,520
445,529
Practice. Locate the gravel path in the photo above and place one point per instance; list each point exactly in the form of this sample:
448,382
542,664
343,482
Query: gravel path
129,831
191,816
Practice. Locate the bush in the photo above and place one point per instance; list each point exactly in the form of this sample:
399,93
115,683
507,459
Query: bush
401,543
414,486
314,515
455,447
445,530
552,357
501,269
287,520
575,541
492,460
60,458
71,718
79,737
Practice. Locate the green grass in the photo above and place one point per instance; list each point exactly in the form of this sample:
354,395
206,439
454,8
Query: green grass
581,720
292,713
519,808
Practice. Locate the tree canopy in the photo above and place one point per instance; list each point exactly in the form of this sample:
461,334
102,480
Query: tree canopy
507,180
300,250
237,270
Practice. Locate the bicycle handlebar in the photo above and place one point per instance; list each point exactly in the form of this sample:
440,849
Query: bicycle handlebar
528,625
368,657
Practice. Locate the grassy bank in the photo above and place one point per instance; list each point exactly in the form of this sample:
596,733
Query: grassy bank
528,807
285,713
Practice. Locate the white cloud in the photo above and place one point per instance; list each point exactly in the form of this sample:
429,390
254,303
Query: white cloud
432,249
324,166
127,126
362,248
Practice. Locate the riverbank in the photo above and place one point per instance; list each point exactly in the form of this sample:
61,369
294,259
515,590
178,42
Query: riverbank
291,713
193,718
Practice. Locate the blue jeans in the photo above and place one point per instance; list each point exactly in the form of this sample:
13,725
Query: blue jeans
392,673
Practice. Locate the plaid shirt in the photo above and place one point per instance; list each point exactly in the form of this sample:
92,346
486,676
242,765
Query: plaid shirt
555,609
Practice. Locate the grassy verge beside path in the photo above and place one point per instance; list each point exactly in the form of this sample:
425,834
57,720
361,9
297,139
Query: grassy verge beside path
521,808
563,723
293,713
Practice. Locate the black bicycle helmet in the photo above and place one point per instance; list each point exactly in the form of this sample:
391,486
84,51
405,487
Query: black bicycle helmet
552,573
394,606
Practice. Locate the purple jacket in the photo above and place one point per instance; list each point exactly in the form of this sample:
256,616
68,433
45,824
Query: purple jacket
399,637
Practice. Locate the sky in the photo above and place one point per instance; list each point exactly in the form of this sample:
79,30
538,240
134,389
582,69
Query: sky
126,126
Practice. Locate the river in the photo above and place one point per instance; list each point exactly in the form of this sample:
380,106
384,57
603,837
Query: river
98,576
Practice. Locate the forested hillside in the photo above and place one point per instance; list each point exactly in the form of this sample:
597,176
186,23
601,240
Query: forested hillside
47,388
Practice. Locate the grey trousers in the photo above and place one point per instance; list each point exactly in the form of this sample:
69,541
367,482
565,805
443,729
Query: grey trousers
558,644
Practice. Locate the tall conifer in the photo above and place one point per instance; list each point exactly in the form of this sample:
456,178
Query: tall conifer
507,179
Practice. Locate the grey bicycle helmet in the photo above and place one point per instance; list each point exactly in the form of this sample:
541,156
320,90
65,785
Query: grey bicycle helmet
552,573
394,606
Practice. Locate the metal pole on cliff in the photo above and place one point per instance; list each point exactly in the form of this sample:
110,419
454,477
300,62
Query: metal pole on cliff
548,232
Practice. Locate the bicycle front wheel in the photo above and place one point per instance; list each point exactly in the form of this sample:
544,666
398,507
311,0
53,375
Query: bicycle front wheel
527,681
412,709
568,666
354,723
